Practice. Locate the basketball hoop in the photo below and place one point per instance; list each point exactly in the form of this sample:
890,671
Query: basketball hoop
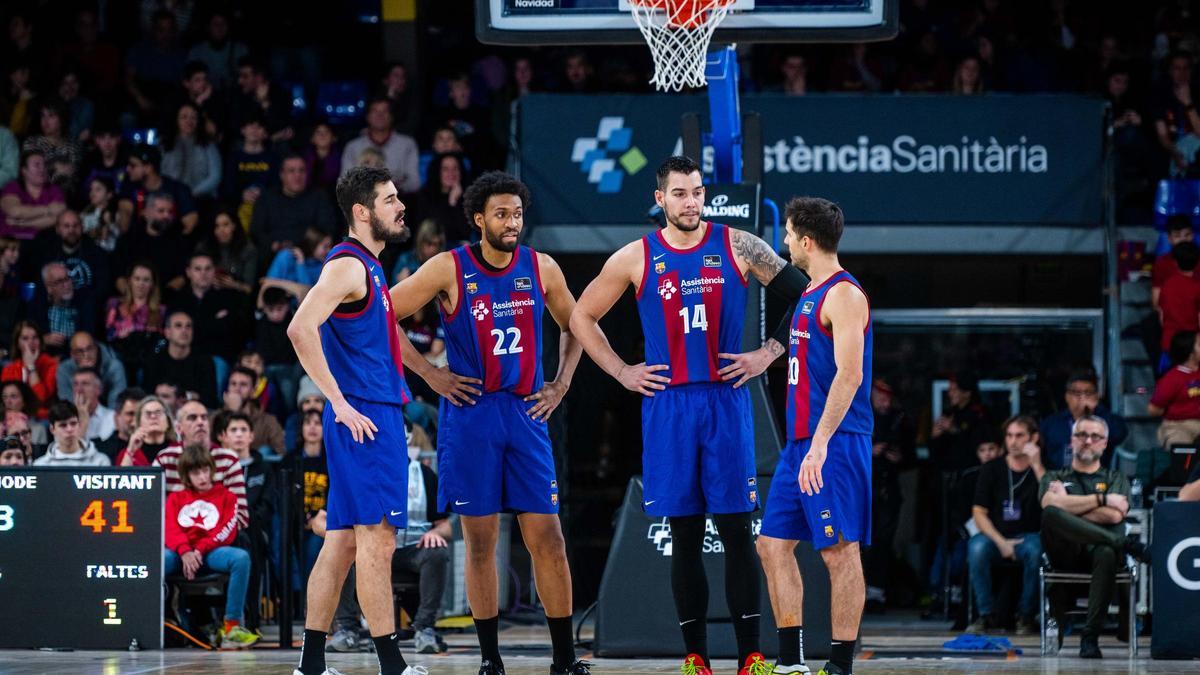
678,32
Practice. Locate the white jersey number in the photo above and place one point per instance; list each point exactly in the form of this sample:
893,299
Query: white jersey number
699,319
514,343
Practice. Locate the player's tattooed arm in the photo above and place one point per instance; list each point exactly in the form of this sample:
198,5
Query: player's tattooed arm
756,255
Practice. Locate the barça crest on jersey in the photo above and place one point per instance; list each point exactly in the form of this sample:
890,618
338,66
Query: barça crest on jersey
712,261
522,284
754,496
479,310
666,289
554,499
660,267
472,287
829,531
807,307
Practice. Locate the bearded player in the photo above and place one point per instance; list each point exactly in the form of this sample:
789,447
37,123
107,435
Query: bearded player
821,491
697,430
494,450
346,336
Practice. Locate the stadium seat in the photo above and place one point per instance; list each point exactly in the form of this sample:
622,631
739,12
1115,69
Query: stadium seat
406,593
1049,577
210,588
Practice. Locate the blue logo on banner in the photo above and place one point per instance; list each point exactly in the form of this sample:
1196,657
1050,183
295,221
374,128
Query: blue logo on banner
609,155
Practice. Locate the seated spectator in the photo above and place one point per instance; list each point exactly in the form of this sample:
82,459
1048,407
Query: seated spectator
471,123
198,544
1179,230
152,431
62,155
311,453
1177,394
189,155
11,303
143,177
1175,120
441,197
125,420
893,448
179,363
154,66
297,268
69,448
395,88
234,255
97,420
1008,516
257,96
32,366
87,264
274,346
99,217
1179,298
578,74
219,51
250,168
239,398
171,394
266,394
429,242
12,453
108,159
60,309
1083,514
133,322
323,159
34,436
19,399
283,215
220,314
87,353
17,97
308,399
80,110
31,203
192,428
1083,400
211,105
957,432
400,151
159,237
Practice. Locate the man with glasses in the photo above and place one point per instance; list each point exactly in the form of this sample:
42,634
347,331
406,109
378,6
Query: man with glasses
191,424
87,353
1083,514
1082,396
60,309
17,424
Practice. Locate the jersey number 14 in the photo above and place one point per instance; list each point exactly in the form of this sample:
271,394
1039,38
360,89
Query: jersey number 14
698,318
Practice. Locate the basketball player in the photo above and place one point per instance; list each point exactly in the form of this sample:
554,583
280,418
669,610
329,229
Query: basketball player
822,487
346,336
494,452
697,429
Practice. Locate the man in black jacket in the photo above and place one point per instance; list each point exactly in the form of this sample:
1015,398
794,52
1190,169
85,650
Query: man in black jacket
176,362
284,212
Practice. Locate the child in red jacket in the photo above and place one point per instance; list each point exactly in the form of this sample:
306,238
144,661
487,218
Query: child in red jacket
201,525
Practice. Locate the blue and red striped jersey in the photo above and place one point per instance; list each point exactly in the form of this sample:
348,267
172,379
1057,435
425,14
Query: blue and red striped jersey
363,365
692,304
495,330
811,367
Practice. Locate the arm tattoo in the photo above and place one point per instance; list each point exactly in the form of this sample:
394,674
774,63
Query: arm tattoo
763,262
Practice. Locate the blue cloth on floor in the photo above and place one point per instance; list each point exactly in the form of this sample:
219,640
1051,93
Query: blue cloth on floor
970,642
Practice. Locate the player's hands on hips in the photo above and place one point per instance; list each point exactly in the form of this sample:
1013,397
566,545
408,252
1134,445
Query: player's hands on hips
359,424
453,387
642,379
810,470
746,366
432,539
548,398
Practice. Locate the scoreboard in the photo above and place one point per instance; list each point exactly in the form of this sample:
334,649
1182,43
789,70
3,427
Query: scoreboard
81,557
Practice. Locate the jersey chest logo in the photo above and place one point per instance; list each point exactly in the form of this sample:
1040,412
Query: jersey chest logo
666,289
807,307
523,284
472,287
480,310
712,261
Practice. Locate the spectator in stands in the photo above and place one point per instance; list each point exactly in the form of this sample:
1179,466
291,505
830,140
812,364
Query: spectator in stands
87,264
405,108
80,109
310,452
578,74
794,72
925,69
133,322
220,314
69,447
189,154
250,167
258,96
270,397
968,78
440,198
30,203
1007,513
1083,514
296,269
180,364
152,432
471,123
219,52
98,60
956,434
893,450
196,544
323,159
192,428
234,255
62,155
171,394
856,70
1082,396
34,436
422,548
1175,120
143,174
424,331
60,309
1179,230
211,105
32,366
239,398
154,66
12,453
1179,298
87,353
1177,394
400,151
100,420
10,152
125,423
284,214
430,241
107,159
19,400
157,236
272,343
308,399
99,216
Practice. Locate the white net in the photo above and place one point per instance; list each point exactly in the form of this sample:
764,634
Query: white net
678,32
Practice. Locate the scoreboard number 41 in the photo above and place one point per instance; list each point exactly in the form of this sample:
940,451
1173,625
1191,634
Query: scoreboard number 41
93,517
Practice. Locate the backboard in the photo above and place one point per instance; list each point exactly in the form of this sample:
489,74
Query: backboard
567,22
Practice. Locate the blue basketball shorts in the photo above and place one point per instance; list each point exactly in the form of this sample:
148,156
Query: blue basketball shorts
841,511
493,457
368,481
698,451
